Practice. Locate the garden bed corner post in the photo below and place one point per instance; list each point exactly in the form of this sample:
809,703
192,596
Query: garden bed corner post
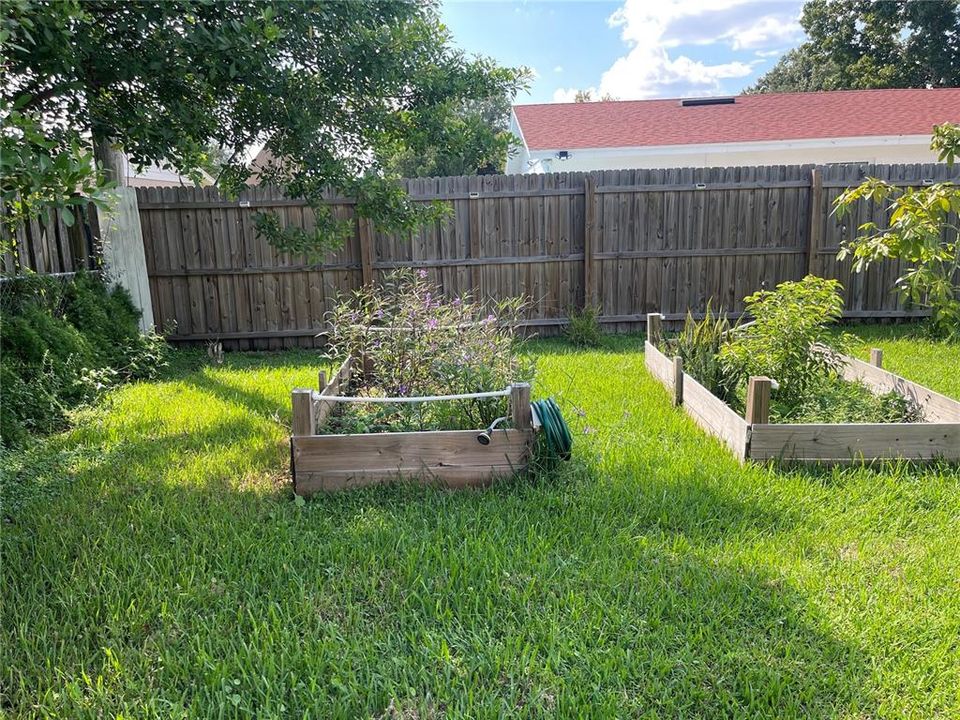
304,416
758,401
520,406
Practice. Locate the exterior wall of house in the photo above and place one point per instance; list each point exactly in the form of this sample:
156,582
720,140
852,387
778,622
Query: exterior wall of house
894,149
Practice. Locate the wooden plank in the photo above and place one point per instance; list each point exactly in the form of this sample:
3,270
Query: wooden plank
696,187
715,416
936,407
659,365
450,477
409,452
590,233
852,443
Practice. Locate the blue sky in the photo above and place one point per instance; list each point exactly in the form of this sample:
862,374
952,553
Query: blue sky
632,49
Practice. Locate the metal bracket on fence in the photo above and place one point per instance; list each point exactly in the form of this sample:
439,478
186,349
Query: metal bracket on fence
927,181
474,195
245,203
700,186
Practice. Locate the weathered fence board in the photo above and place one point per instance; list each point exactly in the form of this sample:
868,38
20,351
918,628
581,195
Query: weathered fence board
629,241
49,247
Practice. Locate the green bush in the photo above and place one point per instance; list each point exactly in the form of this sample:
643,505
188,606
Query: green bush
62,343
583,328
789,339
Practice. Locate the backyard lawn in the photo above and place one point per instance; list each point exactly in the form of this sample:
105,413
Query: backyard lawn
155,564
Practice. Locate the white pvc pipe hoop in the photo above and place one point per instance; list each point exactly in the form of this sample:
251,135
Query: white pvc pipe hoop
413,399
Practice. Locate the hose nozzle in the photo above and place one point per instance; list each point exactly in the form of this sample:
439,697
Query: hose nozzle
486,436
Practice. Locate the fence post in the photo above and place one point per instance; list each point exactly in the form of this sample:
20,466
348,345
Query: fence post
758,401
124,258
365,235
677,381
473,209
304,418
815,224
654,328
322,379
589,241
520,405
876,357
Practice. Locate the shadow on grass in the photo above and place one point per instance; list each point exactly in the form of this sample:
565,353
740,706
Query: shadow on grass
533,597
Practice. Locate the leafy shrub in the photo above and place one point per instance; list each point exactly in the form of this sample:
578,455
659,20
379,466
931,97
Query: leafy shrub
61,344
583,328
920,231
698,345
789,339
419,343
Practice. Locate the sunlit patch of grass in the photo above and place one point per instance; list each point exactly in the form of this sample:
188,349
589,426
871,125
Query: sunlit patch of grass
156,565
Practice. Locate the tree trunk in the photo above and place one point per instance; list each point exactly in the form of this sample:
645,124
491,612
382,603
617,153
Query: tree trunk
111,160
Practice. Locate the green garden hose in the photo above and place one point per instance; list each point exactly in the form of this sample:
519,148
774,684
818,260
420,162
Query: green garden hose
559,441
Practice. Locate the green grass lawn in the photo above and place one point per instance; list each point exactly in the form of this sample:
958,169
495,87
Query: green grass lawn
156,565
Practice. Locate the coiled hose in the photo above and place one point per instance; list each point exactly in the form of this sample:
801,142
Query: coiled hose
556,433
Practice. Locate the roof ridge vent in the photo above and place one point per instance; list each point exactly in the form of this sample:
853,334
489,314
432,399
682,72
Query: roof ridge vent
695,102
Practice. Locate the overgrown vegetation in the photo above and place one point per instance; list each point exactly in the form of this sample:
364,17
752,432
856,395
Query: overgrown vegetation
61,344
416,342
583,327
789,339
166,572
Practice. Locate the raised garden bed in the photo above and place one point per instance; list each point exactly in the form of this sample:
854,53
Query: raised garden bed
448,458
754,437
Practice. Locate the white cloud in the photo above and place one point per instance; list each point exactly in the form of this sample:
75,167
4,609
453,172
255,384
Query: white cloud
558,69
764,32
768,53
651,30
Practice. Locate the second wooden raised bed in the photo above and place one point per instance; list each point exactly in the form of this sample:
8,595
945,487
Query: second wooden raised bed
754,437
449,458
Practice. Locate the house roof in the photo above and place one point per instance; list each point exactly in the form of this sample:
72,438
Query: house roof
752,118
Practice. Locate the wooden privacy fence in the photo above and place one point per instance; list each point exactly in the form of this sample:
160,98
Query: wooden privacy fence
49,247
627,241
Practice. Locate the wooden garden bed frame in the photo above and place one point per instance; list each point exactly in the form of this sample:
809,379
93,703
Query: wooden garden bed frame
449,458
754,437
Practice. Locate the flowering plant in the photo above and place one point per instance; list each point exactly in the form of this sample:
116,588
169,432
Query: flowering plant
417,342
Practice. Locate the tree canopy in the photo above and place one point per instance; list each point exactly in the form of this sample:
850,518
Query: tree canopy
861,44
482,145
333,87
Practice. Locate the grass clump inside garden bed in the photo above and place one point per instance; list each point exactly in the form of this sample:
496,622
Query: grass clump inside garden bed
156,565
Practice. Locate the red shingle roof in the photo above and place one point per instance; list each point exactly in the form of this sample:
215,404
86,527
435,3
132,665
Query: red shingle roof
787,116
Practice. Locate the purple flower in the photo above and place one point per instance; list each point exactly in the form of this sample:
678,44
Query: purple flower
421,274
403,389
432,323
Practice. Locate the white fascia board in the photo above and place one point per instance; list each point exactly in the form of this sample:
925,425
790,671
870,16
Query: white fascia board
517,129
760,145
